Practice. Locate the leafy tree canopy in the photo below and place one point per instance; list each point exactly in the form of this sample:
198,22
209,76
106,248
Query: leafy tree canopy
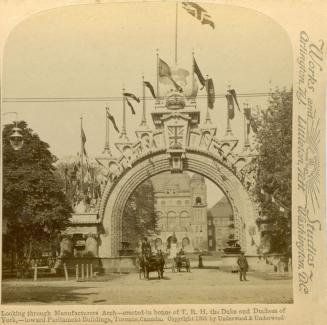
139,214
275,168
34,205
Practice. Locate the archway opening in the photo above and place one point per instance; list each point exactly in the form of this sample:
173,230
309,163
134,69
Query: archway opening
186,208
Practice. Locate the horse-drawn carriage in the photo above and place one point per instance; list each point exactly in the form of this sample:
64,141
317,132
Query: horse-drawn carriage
150,263
181,261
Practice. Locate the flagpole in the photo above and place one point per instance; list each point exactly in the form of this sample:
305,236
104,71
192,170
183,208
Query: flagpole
228,128
176,27
107,145
106,140
193,96
244,125
108,133
123,134
158,94
82,156
208,120
143,121
246,139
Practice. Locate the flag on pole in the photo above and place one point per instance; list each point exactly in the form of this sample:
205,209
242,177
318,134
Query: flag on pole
233,93
248,126
206,19
254,126
112,119
248,116
150,87
230,106
132,96
251,124
191,11
199,13
211,93
199,74
247,113
130,105
83,139
164,71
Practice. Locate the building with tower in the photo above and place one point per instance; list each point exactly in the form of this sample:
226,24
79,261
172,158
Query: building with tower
181,207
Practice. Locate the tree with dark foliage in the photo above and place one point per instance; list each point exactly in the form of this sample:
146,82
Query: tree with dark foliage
139,215
35,208
274,182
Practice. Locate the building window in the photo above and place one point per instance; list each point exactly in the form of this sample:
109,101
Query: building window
197,200
210,242
158,243
210,232
187,201
179,202
209,222
185,242
184,214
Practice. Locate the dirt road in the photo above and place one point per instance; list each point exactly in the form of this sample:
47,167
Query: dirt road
201,286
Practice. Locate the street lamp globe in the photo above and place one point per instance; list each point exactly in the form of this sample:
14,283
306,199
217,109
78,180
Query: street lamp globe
16,139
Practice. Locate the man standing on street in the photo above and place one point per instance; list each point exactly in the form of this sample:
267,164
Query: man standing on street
243,265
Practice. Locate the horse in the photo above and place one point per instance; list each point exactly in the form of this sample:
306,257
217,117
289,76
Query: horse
150,263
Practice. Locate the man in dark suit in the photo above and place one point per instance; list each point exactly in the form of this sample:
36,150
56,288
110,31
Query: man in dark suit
146,247
243,266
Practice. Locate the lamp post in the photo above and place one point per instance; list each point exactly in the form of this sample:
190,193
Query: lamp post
16,139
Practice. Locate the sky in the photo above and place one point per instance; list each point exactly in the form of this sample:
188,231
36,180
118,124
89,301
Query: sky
96,50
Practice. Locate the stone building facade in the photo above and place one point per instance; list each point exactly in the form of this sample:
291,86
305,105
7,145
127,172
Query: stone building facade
181,207
221,227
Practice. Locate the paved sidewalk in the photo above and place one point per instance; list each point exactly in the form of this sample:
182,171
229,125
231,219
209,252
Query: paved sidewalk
201,286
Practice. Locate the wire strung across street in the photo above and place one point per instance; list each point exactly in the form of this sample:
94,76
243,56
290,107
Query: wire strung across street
106,99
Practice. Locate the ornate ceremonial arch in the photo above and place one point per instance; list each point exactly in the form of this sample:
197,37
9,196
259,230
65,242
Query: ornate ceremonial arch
177,143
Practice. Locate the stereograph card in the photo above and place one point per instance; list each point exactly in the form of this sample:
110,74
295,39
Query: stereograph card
163,162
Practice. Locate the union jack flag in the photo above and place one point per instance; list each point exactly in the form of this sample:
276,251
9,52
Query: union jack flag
175,135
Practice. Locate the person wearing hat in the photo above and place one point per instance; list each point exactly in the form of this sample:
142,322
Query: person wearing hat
243,266
146,247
